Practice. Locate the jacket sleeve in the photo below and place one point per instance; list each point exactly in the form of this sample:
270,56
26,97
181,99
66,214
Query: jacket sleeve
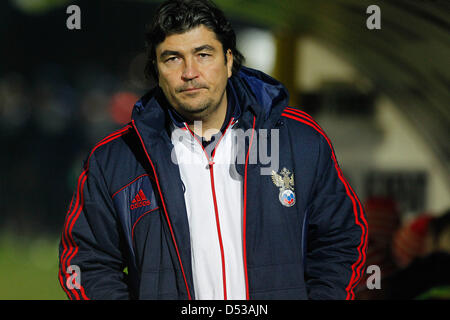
337,232
91,260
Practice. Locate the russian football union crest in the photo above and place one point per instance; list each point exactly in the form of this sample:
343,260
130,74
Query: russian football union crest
285,181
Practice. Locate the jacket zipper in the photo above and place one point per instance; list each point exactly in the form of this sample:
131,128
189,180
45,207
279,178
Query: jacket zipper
244,240
216,210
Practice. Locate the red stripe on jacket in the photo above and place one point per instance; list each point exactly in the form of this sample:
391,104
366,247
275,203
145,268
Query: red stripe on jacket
303,117
69,245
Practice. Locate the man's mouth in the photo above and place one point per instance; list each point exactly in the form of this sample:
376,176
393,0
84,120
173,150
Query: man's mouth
191,89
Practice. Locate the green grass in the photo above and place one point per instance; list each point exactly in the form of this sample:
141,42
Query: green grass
29,268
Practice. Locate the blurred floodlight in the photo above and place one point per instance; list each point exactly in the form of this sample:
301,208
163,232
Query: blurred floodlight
258,47
37,6
14,104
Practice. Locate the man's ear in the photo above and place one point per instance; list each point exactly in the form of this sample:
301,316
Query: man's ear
229,56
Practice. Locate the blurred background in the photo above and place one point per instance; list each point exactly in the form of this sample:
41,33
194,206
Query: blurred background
382,96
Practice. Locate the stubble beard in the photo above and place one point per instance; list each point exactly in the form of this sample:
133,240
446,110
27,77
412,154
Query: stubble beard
202,111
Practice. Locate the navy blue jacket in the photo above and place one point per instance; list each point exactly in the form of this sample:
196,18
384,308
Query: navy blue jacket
126,233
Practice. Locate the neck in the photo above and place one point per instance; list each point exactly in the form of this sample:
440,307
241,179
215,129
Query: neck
212,122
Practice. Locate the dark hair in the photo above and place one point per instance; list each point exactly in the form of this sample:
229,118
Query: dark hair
179,16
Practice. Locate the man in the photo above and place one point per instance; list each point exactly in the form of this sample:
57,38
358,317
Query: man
183,199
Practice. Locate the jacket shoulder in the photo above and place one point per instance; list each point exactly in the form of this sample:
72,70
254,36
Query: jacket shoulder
117,157
308,133
301,123
113,142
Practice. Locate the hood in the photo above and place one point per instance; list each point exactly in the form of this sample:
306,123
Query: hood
264,91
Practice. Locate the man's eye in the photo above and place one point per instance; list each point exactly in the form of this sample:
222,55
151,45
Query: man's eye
171,59
204,55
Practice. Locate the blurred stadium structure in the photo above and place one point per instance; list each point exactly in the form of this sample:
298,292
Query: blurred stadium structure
382,96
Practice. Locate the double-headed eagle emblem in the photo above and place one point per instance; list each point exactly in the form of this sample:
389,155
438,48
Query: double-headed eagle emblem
285,181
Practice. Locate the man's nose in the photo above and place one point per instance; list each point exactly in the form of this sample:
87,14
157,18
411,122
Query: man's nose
190,70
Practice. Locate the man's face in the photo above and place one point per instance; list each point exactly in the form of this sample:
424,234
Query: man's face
192,72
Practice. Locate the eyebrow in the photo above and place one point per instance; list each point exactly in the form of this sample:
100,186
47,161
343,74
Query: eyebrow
205,47
167,53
